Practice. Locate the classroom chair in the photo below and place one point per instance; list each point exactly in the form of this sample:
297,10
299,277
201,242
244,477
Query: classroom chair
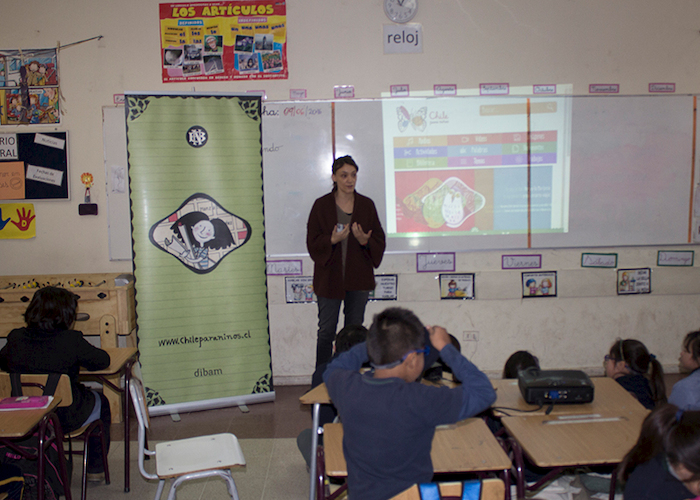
185,459
486,489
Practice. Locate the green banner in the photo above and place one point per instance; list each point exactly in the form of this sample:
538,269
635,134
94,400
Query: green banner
195,171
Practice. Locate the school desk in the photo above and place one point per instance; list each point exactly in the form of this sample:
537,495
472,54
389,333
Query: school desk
599,433
121,360
467,446
316,397
17,424
607,394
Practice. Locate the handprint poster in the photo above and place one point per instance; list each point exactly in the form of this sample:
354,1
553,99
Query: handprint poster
17,221
195,168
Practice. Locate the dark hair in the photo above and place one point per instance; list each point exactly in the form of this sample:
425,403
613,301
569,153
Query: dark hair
692,345
637,358
338,163
52,309
517,362
394,332
668,430
222,234
349,336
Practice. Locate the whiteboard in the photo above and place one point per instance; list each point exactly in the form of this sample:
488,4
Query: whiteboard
629,181
116,182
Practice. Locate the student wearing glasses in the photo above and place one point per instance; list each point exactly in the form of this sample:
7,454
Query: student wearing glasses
634,368
389,418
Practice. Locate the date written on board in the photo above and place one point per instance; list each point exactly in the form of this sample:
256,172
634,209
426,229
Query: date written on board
293,111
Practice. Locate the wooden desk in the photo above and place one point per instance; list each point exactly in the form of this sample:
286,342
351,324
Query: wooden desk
316,397
467,446
19,424
121,361
608,395
599,433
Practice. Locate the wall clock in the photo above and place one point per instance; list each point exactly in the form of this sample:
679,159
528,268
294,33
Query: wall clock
400,11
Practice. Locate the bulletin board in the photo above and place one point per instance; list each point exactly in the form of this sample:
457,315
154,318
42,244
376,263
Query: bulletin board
34,166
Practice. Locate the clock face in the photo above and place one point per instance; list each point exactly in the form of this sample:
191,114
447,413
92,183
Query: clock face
400,11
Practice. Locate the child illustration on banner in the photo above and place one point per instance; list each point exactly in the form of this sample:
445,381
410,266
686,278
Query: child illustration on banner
200,233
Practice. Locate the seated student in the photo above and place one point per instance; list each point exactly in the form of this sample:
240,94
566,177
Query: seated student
346,338
519,361
388,419
48,345
665,462
631,365
686,392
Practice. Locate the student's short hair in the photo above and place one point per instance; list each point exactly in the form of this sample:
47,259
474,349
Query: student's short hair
692,344
394,332
519,361
349,336
51,309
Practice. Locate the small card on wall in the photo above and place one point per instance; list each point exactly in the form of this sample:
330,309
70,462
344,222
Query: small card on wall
680,258
457,286
542,284
284,268
299,290
435,262
387,287
631,281
598,260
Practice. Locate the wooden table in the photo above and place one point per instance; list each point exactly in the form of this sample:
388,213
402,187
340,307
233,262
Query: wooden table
121,361
467,446
17,424
316,397
608,394
597,433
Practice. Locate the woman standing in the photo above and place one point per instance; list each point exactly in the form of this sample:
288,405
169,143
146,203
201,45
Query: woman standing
346,242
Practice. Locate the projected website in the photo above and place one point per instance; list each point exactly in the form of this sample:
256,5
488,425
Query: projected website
460,165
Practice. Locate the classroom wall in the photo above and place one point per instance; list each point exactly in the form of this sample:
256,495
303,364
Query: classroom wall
339,42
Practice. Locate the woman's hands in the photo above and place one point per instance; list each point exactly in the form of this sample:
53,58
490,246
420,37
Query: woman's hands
338,236
358,233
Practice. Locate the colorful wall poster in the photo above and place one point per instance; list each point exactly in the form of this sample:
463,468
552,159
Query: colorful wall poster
231,40
195,168
29,87
299,290
542,284
632,281
457,286
17,221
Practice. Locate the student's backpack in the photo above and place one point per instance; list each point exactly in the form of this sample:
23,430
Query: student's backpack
53,485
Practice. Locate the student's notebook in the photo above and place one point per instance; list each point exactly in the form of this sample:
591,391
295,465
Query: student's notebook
25,403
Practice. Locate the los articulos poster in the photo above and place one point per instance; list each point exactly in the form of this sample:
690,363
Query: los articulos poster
233,40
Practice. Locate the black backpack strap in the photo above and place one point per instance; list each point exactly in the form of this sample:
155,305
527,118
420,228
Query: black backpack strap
16,381
51,384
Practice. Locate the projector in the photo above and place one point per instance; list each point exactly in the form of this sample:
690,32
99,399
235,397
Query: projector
540,387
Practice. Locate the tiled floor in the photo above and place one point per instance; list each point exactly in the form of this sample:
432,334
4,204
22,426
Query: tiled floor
275,469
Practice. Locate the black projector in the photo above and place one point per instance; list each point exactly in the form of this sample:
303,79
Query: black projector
540,387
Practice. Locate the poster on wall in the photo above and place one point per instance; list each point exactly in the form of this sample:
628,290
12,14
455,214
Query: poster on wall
29,87
198,246
17,221
231,40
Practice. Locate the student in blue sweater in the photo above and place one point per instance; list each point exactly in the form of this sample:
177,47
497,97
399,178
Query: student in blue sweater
686,392
389,418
